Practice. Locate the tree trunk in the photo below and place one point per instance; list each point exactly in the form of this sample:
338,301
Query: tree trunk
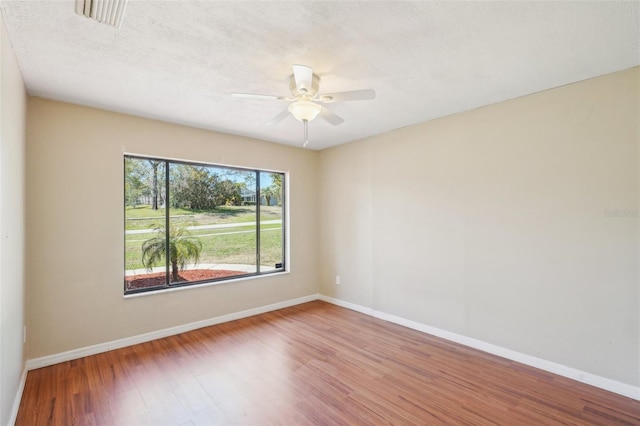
154,185
174,271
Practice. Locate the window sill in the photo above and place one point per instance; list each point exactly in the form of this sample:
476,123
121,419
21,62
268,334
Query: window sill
201,285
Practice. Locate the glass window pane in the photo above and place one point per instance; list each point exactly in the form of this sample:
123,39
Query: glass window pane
192,223
145,257
212,223
271,221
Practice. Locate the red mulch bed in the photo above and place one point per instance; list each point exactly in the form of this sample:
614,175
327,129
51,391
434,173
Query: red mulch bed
157,278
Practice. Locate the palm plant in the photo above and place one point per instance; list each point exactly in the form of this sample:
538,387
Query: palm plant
183,248
268,193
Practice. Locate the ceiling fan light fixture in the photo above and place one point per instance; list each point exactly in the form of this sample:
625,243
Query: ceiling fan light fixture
304,111
109,12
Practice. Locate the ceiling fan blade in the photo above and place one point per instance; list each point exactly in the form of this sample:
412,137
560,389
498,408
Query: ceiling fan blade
331,117
353,95
256,96
304,78
278,118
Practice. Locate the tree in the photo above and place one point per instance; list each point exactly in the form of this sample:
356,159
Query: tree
276,178
196,188
154,183
268,193
202,189
238,189
183,248
230,192
134,182
276,185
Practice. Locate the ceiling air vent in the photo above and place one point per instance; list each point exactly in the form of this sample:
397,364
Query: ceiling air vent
109,12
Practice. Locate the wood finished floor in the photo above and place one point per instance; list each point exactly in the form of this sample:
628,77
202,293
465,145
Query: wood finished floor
310,364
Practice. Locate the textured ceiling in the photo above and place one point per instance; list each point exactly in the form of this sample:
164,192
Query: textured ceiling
179,61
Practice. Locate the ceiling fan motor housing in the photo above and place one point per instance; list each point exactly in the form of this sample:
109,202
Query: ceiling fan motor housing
309,92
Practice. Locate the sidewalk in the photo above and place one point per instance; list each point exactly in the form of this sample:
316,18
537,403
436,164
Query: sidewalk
214,226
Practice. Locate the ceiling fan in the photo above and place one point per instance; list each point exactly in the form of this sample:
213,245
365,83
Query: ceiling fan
306,100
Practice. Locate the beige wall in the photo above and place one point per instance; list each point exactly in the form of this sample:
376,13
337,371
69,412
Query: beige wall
492,224
75,234
12,288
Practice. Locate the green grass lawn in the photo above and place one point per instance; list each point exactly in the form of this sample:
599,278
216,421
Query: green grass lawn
226,245
147,211
143,217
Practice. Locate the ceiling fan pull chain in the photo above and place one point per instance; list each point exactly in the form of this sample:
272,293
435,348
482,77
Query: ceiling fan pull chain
306,133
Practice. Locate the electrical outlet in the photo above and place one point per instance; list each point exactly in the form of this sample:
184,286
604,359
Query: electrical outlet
338,280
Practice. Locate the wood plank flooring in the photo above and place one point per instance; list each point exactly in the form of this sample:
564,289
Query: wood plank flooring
310,364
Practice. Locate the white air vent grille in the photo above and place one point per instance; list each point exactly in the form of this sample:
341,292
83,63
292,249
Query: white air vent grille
107,11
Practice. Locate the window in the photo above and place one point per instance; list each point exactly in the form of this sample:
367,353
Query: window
188,223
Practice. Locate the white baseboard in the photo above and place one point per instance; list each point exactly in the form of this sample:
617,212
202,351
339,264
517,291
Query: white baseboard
45,361
348,305
18,398
552,367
